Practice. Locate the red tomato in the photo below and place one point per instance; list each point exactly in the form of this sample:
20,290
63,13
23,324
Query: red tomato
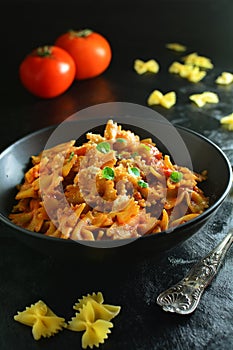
47,71
90,51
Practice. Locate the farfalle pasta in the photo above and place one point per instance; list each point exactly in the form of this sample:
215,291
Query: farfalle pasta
142,67
44,322
199,61
176,47
225,78
204,97
114,186
187,71
93,317
167,100
227,121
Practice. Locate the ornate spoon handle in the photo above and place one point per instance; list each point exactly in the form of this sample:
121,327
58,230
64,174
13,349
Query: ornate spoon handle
184,296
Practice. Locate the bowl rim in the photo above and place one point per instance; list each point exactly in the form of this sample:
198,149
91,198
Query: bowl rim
200,217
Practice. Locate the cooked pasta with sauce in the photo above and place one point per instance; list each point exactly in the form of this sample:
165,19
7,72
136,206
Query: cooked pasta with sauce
113,186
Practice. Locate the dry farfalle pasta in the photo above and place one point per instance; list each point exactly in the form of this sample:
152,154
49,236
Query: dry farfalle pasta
187,71
42,319
89,297
93,317
203,98
142,67
176,47
227,121
225,78
195,60
157,98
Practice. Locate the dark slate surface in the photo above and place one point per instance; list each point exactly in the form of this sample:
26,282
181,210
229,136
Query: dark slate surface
136,29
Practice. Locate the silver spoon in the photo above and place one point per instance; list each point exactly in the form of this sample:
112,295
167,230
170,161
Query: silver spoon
183,297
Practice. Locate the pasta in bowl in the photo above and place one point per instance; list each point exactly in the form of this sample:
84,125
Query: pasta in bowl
114,186
112,189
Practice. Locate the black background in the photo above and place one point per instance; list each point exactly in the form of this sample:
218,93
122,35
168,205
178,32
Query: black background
135,29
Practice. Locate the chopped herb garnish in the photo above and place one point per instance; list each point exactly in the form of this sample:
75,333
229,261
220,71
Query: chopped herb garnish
108,173
176,176
71,156
121,140
142,184
103,147
146,147
134,171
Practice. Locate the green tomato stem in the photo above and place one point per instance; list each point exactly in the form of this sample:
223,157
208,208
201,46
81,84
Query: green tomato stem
81,33
44,51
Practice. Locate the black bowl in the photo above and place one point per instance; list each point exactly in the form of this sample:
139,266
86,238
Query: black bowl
204,155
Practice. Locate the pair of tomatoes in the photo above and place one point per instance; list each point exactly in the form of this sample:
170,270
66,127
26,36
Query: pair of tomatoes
49,71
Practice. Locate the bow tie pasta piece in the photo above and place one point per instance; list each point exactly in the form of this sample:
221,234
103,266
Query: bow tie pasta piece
96,330
157,98
196,75
89,297
187,71
96,333
228,121
42,319
103,311
200,61
142,67
203,98
93,317
225,78
176,47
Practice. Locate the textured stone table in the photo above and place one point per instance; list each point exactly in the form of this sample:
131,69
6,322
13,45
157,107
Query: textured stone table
136,30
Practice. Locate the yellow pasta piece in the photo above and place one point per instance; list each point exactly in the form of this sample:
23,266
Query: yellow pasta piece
83,301
93,318
101,310
176,67
184,219
32,173
196,60
21,219
26,191
42,319
69,164
225,78
203,98
157,98
131,210
96,330
196,75
168,163
165,220
191,73
104,311
228,121
142,67
176,47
